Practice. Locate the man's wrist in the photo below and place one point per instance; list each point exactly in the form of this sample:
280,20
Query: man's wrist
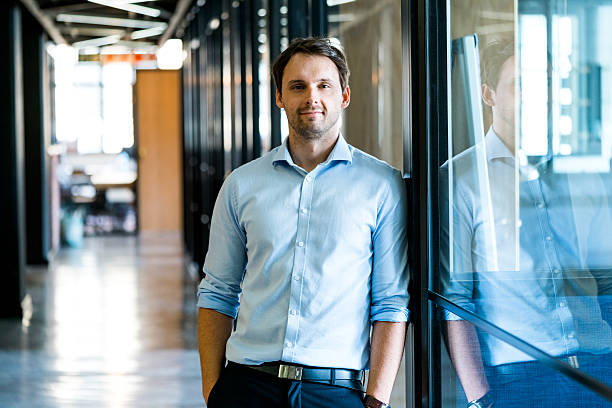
483,402
371,402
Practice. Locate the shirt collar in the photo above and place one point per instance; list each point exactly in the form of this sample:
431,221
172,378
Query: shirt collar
496,149
340,152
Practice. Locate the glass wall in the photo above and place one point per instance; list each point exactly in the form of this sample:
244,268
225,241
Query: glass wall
523,280
372,38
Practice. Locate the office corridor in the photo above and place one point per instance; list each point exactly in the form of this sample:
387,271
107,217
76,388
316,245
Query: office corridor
110,325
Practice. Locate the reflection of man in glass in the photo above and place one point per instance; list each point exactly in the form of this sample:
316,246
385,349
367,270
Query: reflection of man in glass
528,250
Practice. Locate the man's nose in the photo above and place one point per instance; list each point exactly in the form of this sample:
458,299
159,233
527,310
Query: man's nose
313,97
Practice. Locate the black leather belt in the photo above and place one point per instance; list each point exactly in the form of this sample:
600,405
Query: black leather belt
333,376
527,368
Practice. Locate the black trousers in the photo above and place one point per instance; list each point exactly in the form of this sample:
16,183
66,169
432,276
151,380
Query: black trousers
243,387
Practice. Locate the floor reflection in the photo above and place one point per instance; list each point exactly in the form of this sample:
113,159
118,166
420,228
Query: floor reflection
111,325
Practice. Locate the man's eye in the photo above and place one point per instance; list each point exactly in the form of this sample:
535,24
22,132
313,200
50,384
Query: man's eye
325,86
297,87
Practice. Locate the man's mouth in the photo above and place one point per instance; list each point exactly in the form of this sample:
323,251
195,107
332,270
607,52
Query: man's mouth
311,113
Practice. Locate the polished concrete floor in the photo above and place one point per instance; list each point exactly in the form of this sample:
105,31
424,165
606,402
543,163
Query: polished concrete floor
109,325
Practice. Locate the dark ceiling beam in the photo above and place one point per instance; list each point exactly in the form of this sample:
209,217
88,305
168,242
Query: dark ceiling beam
44,21
179,13
84,6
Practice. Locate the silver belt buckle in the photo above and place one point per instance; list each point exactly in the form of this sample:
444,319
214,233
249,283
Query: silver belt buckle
573,361
289,372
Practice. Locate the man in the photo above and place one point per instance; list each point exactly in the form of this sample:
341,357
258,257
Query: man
530,254
308,251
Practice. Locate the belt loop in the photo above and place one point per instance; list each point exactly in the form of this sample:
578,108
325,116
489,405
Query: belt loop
333,376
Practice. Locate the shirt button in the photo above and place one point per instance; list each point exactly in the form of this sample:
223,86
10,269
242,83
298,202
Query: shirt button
296,277
292,312
556,270
289,344
301,243
562,304
307,178
549,238
303,211
571,335
540,204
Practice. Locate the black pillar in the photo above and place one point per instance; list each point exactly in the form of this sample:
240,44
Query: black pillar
255,5
319,18
298,19
36,127
11,163
274,27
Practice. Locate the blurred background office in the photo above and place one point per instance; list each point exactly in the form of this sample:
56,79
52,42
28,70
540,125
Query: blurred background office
121,118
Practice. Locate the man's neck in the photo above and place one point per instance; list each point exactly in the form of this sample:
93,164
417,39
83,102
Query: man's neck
309,153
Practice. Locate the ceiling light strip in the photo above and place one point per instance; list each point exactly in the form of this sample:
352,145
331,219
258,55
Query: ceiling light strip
97,42
147,11
109,21
149,32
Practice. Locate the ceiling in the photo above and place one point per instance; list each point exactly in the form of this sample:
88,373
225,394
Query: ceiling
99,22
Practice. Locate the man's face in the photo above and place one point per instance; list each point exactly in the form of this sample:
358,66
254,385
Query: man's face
312,96
501,99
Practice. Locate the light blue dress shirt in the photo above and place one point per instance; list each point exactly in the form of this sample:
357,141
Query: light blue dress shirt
528,250
306,261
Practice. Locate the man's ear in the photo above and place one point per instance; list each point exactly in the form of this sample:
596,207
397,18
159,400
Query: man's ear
488,95
346,97
279,100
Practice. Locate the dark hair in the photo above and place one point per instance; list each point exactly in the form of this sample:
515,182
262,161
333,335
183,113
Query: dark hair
492,58
327,47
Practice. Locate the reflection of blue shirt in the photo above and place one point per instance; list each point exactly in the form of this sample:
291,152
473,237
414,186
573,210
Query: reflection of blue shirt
532,264
314,257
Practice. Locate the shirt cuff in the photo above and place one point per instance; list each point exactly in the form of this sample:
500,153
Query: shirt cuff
387,314
219,303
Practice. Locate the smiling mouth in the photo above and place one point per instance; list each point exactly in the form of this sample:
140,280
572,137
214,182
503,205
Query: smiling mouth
311,113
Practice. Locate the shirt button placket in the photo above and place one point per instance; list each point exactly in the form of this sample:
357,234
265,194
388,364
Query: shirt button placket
291,335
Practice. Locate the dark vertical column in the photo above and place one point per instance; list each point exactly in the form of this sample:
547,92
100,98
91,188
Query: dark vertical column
254,6
274,26
12,252
34,85
298,19
246,63
215,82
318,17
204,151
197,138
187,131
237,96
417,52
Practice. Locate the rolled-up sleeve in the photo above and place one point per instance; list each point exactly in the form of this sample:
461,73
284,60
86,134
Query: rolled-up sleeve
226,258
390,272
457,280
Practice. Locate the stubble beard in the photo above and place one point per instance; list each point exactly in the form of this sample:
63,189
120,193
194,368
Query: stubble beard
309,131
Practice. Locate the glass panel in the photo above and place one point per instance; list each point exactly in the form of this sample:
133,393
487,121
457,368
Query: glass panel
370,32
524,194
